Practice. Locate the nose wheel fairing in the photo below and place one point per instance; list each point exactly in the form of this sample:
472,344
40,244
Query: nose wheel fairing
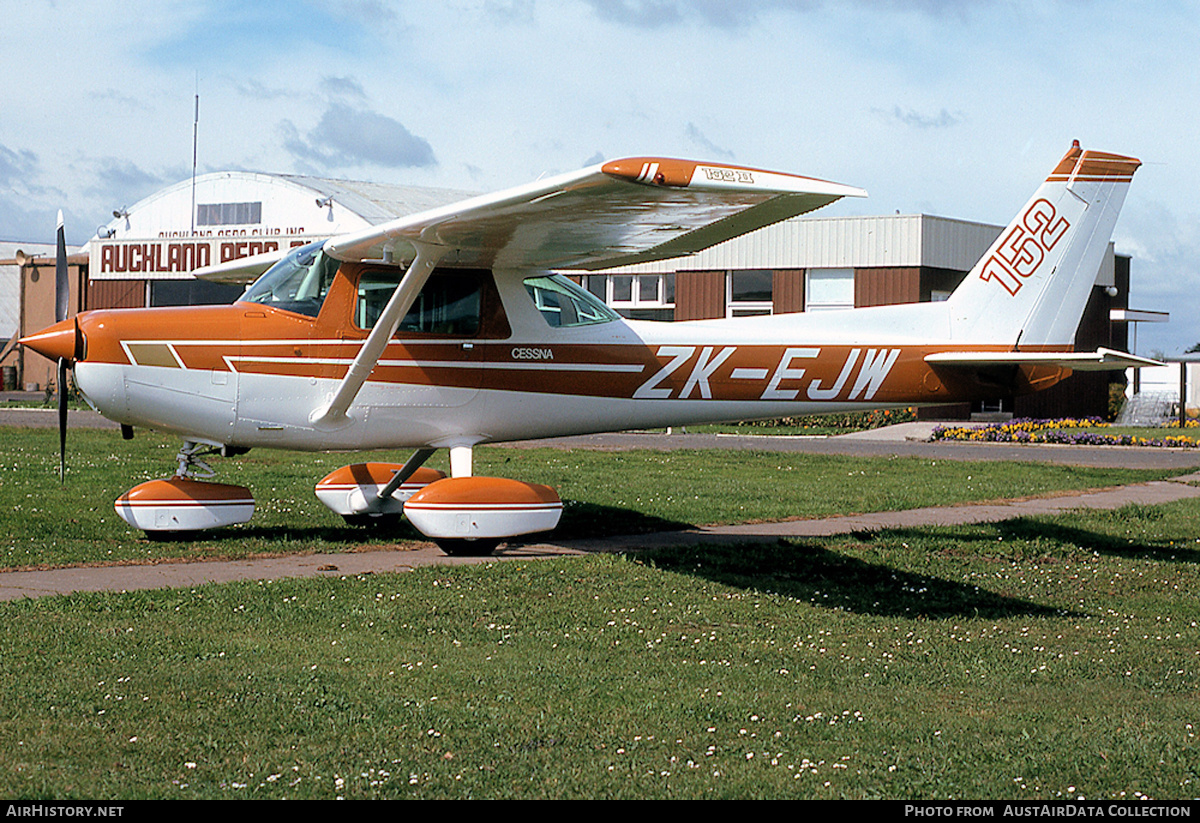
181,504
186,502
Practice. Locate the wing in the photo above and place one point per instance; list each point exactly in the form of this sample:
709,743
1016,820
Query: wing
615,213
1100,360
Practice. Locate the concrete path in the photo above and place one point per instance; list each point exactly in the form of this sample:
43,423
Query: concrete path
16,585
38,418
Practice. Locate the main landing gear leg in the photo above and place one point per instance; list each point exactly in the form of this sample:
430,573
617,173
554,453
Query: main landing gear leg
462,465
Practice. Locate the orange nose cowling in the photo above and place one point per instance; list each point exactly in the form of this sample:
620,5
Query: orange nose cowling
60,340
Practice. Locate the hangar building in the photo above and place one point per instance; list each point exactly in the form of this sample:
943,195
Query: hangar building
144,257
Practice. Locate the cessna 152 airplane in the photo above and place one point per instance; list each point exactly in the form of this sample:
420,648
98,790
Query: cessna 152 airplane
446,329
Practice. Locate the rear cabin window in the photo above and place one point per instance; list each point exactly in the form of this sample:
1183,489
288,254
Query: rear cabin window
562,303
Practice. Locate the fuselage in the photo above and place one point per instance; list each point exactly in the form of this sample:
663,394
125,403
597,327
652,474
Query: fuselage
526,363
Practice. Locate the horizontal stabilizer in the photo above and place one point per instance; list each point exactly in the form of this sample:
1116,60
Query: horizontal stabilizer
1100,360
241,270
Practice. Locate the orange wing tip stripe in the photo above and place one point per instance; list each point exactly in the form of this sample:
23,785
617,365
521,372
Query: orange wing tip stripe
658,171
670,172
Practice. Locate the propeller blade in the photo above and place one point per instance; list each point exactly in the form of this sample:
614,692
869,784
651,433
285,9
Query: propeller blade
62,305
62,284
62,419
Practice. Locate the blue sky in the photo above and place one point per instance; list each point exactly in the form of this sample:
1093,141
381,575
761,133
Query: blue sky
950,108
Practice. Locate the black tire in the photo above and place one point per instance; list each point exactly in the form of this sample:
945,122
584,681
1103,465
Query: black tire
464,547
164,536
369,521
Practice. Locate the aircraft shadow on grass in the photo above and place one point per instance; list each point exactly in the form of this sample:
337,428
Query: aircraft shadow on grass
579,521
812,573
1180,548
809,571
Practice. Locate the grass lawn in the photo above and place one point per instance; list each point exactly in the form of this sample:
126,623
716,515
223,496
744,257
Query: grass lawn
1037,658
1044,658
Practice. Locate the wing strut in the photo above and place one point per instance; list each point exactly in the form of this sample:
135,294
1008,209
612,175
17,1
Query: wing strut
333,414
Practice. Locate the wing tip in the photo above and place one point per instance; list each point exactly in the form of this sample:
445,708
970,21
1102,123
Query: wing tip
676,173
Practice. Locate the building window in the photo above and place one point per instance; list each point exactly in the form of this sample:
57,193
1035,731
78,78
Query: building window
828,289
636,296
191,293
228,214
749,292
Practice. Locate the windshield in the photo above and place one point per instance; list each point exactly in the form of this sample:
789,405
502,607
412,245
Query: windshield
298,282
562,303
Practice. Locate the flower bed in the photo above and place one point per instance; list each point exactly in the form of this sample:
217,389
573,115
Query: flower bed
1056,431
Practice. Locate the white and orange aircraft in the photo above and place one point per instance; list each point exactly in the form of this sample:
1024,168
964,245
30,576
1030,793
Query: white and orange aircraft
447,329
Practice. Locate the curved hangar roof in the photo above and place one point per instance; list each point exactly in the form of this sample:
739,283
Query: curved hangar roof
240,213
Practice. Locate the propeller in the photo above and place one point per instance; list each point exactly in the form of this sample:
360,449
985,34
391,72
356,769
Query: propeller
64,341
62,300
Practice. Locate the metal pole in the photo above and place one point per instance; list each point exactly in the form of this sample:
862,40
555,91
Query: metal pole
195,144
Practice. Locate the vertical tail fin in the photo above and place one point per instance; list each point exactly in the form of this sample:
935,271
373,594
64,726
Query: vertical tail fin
1031,286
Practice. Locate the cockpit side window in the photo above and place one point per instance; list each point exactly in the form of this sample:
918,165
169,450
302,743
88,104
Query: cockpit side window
297,283
456,303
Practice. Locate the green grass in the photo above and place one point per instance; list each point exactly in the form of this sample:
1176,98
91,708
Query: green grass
43,523
50,401
1034,659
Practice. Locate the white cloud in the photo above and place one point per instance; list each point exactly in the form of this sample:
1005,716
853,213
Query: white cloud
347,137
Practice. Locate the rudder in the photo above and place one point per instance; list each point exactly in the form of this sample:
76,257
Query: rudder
1030,288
